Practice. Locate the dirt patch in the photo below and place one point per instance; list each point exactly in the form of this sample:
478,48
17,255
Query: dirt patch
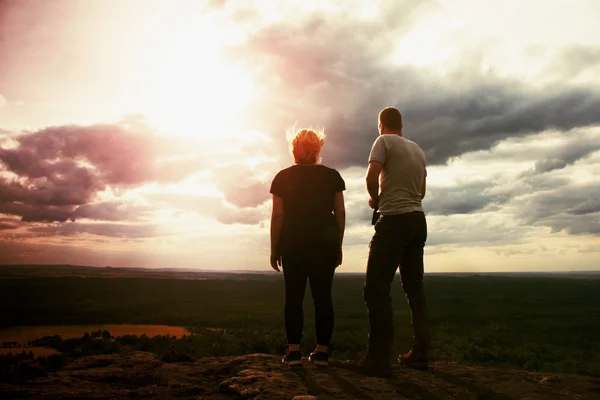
24,334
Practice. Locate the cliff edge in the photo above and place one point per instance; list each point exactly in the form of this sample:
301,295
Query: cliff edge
141,375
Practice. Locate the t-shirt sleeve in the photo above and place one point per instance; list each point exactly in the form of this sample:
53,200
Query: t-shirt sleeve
378,151
278,186
338,182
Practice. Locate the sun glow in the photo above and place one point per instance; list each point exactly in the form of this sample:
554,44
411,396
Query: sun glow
192,91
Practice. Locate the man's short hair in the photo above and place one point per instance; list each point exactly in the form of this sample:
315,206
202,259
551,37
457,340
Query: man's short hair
391,118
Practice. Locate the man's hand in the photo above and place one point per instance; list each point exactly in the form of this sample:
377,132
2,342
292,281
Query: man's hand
373,203
275,261
340,257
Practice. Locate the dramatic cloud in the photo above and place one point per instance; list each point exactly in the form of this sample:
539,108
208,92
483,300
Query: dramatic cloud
340,75
567,152
8,223
508,119
464,199
213,207
241,187
54,170
113,153
100,229
577,60
574,208
244,216
108,211
37,212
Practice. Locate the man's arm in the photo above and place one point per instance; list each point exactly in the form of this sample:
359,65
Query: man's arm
423,187
373,173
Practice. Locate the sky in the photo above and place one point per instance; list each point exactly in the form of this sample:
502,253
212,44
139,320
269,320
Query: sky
146,133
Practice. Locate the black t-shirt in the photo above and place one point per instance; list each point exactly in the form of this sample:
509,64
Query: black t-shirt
309,225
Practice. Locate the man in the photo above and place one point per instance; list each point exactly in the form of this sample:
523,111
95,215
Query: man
400,234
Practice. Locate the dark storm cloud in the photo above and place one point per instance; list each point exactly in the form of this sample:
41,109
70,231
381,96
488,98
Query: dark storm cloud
577,148
538,200
574,208
8,223
466,123
549,165
463,199
73,185
36,212
468,198
118,155
462,234
335,72
58,169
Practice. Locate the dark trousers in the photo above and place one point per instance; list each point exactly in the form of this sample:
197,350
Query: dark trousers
398,242
296,271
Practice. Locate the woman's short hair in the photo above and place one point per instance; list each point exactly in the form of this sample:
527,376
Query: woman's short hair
306,146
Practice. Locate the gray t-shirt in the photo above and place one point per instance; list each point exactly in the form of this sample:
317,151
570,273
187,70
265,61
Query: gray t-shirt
404,168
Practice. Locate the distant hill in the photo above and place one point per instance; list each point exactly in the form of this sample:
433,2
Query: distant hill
28,271
56,270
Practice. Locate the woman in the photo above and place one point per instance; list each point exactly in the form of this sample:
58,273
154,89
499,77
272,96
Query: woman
307,230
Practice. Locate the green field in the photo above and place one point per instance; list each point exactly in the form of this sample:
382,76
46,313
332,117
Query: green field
548,324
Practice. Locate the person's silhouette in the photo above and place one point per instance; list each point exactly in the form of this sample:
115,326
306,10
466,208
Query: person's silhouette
307,230
398,241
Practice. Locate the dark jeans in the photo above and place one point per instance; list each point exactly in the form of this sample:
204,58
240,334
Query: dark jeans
398,242
320,276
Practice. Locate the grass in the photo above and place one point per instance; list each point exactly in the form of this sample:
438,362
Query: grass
545,324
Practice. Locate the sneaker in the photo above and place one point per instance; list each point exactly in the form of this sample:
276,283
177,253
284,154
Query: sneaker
319,358
292,358
374,367
413,359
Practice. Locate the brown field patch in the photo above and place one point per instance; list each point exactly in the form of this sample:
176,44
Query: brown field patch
38,351
23,334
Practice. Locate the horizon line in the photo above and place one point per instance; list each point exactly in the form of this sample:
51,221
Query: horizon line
265,271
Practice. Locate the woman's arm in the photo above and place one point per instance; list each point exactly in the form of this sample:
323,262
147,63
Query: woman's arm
339,210
276,225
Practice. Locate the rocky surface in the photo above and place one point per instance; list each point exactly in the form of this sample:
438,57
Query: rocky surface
140,375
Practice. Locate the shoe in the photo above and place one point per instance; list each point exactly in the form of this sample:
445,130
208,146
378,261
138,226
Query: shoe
319,358
371,366
292,358
413,359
